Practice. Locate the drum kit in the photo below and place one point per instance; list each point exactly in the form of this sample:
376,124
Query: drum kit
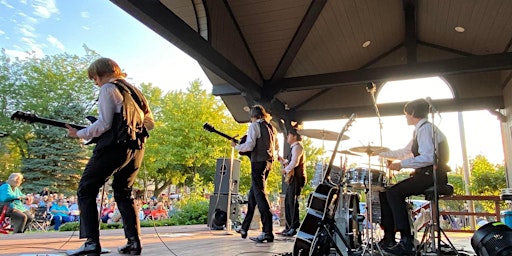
353,182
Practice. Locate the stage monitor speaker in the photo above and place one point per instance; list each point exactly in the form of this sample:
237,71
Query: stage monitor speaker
222,172
217,214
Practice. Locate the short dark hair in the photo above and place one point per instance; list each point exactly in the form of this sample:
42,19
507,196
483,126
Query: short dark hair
258,111
417,108
295,133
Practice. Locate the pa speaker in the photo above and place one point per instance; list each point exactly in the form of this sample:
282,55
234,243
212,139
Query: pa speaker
222,172
493,239
217,212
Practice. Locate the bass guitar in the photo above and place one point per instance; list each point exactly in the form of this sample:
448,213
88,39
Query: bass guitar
33,118
210,128
311,237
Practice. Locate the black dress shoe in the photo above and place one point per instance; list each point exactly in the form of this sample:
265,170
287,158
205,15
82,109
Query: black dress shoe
90,247
290,232
404,248
386,243
132,247
263,237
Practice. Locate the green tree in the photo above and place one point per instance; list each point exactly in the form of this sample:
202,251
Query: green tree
56,87
486,179
178,147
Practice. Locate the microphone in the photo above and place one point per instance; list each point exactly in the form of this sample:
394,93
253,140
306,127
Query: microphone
371,87
432,107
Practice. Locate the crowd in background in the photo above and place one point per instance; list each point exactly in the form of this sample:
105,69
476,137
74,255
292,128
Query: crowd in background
60,209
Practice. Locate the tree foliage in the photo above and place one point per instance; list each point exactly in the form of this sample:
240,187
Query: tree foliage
54,87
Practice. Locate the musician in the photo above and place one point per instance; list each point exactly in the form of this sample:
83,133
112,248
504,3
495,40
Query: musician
293,168
118,152
419,155
262,143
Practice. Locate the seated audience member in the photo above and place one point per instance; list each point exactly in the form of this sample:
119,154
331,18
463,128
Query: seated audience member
11,194
60,213
159,213
73,208
107,212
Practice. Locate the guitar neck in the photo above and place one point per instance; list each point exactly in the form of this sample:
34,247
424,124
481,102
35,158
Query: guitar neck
56,123
225,136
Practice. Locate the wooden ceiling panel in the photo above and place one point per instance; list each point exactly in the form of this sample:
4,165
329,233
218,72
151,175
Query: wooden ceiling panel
347,96
486,24
183,9
292,99
335,41
268,27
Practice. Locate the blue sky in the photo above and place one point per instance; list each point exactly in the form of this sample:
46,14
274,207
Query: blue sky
49,27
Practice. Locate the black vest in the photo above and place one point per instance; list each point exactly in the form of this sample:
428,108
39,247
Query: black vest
442,157
265,145
299,170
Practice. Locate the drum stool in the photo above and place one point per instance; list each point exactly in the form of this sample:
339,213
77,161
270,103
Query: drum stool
428,242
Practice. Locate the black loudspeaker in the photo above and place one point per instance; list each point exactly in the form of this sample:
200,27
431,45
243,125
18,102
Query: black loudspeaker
222,172
217,214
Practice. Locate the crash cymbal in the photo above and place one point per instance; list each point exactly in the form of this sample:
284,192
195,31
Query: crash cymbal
321,134
346,152
369,150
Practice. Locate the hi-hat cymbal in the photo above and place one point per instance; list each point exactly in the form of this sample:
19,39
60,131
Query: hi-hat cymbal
321,134
346,152
369,150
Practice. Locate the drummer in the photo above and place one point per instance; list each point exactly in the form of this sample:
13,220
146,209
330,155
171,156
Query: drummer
419,155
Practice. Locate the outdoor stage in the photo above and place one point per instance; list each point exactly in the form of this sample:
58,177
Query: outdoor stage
182,240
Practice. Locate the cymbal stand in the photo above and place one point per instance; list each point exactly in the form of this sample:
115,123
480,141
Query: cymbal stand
369,210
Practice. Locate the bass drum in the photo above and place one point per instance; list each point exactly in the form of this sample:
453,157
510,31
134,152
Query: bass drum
347,221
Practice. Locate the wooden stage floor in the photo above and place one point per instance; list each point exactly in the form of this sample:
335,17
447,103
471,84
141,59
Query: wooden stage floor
190,240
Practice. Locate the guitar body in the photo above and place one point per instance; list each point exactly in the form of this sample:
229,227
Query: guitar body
314,234
246,153
321,206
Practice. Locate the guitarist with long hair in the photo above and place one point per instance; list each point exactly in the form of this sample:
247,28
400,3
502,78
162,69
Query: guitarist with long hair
295,170
122,125
262,142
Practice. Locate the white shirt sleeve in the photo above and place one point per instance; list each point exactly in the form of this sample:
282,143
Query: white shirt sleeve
252,135
399,154
110,101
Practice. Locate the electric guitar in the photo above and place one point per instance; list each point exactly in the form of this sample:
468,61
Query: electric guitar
321,206
210,128
33,118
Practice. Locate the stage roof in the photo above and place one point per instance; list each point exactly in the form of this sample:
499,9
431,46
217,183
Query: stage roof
313,59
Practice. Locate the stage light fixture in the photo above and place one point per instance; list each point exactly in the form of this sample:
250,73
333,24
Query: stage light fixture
493,239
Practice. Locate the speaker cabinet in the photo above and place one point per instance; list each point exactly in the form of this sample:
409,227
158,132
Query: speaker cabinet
217,212
223,169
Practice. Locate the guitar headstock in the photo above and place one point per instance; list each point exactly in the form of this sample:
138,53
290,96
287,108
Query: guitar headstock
209,127
24,117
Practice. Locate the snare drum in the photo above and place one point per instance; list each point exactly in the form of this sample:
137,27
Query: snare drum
357,178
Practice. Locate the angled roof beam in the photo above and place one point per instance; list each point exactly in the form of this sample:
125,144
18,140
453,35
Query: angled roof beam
469,64
168,25
314,10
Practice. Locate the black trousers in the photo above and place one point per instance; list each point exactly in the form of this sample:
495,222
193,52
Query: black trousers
123,163
392,201
257,196
291,202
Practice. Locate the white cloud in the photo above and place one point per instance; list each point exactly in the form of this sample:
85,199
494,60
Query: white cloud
84,14
27,30
55,42
34,47
28,19
45,8
86,28
2,32
4,3
16,54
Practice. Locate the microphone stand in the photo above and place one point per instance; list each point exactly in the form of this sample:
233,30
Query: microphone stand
435,239
371,88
